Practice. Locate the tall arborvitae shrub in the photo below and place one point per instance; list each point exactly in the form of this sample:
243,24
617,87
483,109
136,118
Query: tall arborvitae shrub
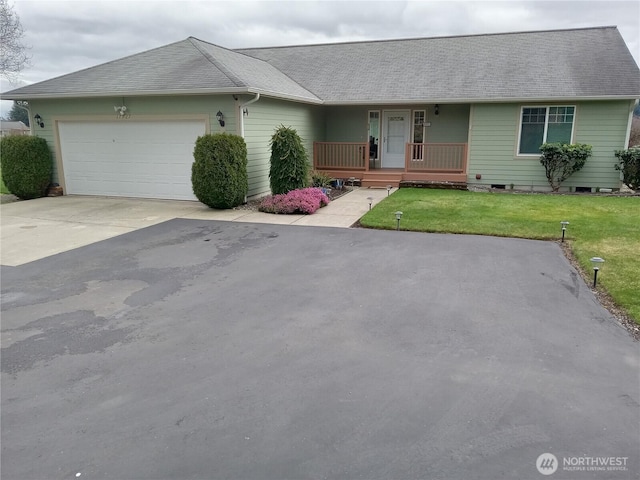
289,161
27,165
219,170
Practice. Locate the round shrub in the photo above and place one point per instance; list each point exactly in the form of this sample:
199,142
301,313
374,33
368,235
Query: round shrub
219,170
27,165
289,161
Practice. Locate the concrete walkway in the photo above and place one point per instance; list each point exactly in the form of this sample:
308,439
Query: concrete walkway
36,229
342,212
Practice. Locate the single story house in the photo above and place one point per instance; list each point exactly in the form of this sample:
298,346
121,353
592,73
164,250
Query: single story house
472,109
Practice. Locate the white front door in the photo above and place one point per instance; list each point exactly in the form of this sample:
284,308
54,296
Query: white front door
396,127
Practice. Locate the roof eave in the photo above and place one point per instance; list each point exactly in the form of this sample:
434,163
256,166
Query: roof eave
480,100
285,96
132,93
155,93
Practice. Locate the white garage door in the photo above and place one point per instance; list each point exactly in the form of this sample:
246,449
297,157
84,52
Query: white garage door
129,159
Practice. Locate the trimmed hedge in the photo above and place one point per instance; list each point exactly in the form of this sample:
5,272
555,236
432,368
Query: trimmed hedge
289,161
629,165
27,165
219,172
561,160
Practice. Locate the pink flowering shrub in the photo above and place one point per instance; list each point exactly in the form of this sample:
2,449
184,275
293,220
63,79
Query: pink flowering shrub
304,200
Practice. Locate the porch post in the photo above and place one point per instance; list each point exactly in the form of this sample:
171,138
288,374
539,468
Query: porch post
367,156
315,155
407,152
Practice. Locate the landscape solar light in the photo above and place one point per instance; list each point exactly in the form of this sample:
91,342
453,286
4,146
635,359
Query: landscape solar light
564,228
388,189
370,201
597,265
398,217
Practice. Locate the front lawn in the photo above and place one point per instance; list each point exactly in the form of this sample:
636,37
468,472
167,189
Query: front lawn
607,227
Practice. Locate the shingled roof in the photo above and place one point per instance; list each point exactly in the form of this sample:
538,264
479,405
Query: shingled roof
589,63
190,66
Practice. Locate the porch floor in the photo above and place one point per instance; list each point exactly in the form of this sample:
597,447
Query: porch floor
382,177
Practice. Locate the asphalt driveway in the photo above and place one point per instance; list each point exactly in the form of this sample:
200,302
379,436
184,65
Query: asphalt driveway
205,349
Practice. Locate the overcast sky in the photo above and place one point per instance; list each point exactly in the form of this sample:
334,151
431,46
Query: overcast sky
66,36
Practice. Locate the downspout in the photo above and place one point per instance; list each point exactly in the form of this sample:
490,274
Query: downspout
241,108
28,115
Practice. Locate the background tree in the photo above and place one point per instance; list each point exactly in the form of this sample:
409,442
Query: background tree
18,114
13,56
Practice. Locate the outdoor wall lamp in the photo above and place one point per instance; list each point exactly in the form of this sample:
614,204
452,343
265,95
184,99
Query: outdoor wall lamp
597,265
38,120
220,118
564,228
398,217
436,109
370,201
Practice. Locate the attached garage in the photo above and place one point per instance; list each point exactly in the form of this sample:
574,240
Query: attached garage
148,159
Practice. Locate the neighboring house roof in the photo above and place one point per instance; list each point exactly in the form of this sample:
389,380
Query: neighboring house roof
13,125
529,66
9,126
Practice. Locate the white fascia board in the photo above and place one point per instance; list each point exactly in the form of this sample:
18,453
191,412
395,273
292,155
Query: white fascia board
137,93
284,96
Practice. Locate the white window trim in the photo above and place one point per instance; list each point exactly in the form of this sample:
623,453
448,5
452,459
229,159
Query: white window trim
413,125
369,122
546,125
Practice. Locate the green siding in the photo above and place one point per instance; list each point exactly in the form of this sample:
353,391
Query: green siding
451,125
156,106
494,140
264,117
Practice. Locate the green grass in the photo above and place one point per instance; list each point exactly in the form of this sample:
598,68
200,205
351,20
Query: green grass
608,227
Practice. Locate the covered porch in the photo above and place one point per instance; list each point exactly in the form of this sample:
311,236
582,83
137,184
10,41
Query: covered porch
388,145
423,162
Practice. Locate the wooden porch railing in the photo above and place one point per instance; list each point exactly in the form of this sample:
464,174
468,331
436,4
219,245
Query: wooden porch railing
340,155
436,157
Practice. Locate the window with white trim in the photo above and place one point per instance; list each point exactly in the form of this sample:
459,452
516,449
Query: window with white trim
418,126
540,125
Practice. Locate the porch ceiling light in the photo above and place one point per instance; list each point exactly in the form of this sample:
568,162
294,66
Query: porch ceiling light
38,120
597,265
220,118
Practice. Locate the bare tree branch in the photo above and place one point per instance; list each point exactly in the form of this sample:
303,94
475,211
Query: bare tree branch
13,56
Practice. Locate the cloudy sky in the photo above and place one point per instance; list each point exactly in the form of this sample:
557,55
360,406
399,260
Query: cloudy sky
65,36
